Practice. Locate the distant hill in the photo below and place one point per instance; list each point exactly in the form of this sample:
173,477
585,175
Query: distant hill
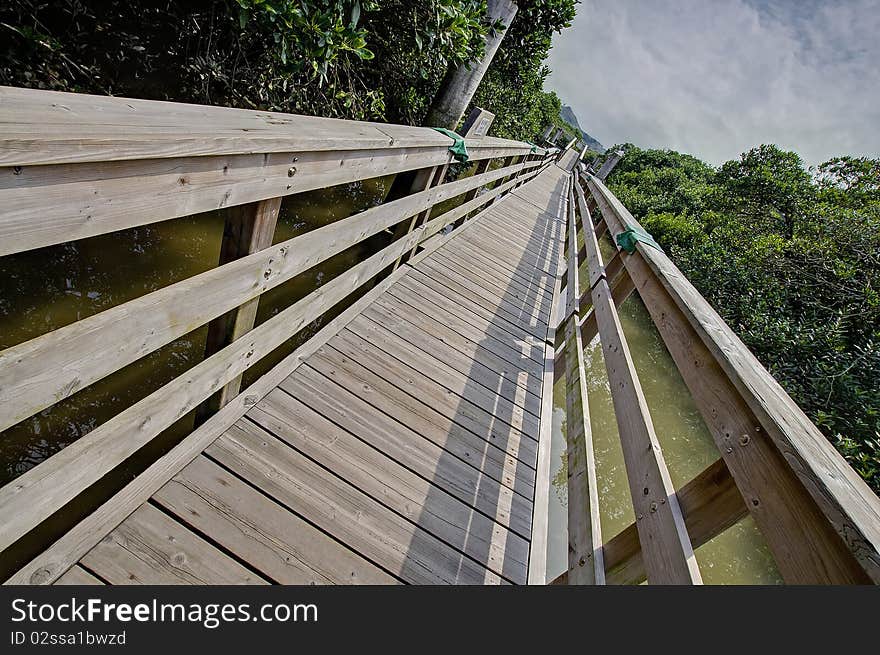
568,116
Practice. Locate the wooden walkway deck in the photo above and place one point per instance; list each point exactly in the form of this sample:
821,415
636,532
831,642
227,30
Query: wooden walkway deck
403,451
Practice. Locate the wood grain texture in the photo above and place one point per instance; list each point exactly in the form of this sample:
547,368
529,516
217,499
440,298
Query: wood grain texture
666,547
355,519
270,538
43,127
149,547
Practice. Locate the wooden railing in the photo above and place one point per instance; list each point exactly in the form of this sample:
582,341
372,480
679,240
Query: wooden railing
820,520
76,166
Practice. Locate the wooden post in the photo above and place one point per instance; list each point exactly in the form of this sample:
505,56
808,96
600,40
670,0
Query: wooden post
461,83
609,164
248,229
426,178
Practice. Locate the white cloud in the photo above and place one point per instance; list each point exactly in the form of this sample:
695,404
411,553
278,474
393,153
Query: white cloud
717,77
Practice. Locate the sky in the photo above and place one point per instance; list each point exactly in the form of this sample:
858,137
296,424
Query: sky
714,78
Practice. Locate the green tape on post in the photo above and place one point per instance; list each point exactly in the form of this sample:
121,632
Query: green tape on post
534,147
631,236
458,148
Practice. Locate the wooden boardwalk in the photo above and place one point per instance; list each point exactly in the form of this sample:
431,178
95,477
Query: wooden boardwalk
404,450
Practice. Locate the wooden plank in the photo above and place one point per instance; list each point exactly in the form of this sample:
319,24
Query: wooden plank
464,251
439,323
449,367
507,289
246,231
783,484
396,389
534,248
666,547
529,222
77,575
529,280
36,494
43,127
151,548
710,502
444,344
533,316
432,291
66,551
586,563
489,245
621,289
46,205
447,218
466,289
424,502
476,328
270,538
540,518
364,525
409,449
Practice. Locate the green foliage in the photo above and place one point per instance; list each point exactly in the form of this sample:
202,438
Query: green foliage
791,259
359,59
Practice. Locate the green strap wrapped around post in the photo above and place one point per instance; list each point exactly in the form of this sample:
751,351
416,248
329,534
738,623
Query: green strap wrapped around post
632,235
458,148
534,147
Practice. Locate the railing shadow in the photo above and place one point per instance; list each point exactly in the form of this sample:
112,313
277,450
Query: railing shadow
518,266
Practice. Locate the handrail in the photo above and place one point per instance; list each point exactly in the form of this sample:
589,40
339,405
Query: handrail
85,165
819,518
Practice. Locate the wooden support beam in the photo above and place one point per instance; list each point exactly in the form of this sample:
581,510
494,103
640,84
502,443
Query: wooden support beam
667,550
821,522
425,179
481,167
585,561
710,502
248,229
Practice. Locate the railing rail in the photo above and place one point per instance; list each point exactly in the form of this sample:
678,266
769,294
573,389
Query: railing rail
76,166
818,517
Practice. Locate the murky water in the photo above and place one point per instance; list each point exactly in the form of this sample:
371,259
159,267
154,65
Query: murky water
737,556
